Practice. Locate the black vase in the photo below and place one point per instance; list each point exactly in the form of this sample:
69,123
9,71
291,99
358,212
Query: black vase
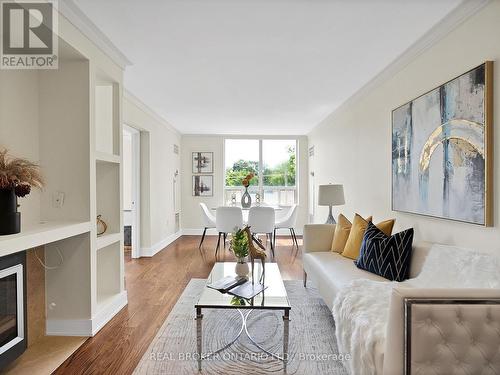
10,219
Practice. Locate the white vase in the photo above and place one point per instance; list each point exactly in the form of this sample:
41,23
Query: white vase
241,268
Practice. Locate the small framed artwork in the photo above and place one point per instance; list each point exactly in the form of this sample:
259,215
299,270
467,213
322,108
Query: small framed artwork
203,162
203,186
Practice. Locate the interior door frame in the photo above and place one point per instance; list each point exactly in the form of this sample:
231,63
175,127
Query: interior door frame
136,190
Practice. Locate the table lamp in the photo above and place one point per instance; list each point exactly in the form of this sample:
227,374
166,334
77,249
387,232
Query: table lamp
331,195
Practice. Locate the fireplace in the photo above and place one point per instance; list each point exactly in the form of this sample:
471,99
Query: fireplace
12,307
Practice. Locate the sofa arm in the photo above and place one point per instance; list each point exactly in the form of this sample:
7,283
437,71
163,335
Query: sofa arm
422,322
317,237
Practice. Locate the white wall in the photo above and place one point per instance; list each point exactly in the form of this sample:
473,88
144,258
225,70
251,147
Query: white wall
127,170
19,119
353,145
191,219
104,118
158,166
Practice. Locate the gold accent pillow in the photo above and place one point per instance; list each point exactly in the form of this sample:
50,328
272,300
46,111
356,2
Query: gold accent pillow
342,230
353,244
386,226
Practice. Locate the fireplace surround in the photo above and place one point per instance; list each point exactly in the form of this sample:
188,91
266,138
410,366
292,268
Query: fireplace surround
13,324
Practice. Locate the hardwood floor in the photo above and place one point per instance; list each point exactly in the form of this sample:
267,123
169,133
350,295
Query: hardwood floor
154,285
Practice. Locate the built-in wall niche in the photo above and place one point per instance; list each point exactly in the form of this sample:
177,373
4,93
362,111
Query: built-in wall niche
68,278
108,195
64,141
108,268
108,274
44,117
50,117
107,142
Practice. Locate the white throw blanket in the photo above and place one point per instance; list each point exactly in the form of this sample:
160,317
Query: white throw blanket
361,308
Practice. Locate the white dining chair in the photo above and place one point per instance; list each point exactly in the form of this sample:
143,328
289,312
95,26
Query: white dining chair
288,222
208,221
261,221
226,219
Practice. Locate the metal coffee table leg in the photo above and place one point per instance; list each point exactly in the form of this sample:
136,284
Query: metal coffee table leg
244,328
199,335
286,323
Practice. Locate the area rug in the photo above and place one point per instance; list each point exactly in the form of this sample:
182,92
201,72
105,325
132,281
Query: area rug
312,344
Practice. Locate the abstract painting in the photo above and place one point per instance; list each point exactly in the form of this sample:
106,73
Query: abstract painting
203,186
203,162
441,150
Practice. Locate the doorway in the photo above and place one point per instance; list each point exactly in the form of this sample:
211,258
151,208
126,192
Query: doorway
131,189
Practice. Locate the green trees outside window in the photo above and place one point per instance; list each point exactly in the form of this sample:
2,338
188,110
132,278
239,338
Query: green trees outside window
282,174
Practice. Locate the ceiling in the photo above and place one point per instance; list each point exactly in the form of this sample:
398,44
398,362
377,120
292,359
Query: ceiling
257,66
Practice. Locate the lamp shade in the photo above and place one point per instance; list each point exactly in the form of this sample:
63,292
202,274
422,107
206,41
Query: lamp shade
331,195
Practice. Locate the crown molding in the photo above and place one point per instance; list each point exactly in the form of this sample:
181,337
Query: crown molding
455,18
80,20
146,109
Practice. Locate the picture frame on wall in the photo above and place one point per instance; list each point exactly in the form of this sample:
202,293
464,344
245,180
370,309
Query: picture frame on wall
442,150
203,162
203,186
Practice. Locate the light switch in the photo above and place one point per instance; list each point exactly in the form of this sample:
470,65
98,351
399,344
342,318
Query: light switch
58,199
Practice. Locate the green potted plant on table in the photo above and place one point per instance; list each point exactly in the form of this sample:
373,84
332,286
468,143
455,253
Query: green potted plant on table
239,247
17,177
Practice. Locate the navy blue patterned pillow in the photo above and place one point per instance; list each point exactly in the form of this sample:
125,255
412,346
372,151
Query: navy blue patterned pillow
387,256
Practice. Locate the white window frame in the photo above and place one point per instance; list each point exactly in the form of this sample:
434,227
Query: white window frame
261,164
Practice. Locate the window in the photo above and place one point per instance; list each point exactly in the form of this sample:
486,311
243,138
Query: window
273,161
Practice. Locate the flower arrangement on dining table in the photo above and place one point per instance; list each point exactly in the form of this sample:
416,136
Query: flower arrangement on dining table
246,181
246,200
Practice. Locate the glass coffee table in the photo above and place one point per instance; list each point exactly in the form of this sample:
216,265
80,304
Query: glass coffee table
274,297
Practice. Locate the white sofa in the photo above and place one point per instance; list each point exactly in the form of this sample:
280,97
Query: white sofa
337,277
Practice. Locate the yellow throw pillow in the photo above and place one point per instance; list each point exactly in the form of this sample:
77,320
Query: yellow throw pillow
353,244
386,226
341,234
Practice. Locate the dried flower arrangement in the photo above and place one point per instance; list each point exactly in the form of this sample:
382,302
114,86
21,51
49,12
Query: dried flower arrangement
19,174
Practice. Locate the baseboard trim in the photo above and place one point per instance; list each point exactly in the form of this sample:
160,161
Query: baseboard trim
213,232
151,251
198,232
108,311
286,232
87,327
68,327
